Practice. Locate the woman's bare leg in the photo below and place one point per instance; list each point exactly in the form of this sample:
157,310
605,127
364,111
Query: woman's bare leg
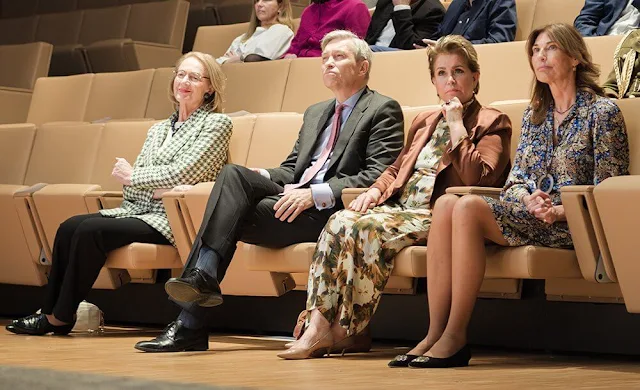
472,223
438,272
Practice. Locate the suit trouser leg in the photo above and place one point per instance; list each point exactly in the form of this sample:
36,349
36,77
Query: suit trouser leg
262,228
85,254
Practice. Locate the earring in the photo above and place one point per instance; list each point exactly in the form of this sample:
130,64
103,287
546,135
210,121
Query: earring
207,96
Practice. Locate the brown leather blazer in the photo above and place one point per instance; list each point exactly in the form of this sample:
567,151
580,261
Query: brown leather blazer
480,160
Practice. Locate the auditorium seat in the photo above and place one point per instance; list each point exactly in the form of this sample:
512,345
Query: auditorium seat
55,6
201,13
525,10
500,82
150,42
60,99
550,11
55,158
89,4
120,95
19,8
304,85
20,66
233,11
602,49
15,31
256,87
215,40
159,105
617,203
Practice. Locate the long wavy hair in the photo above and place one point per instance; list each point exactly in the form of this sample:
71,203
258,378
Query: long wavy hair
571,43
284,17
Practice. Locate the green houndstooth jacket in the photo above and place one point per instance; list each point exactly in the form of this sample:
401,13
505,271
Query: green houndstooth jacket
196,153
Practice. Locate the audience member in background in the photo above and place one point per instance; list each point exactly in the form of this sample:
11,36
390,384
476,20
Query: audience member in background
624,79
480,21
344,142
608,17
322,17
189,147
461,144
399,24
269,35
571,135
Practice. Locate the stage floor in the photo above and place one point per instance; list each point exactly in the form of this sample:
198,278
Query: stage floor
251,362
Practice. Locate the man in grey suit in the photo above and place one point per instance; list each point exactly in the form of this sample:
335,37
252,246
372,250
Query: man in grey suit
344,142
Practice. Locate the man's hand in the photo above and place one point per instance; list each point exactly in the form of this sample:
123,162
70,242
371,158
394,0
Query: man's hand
122,171
290,56
366,200
293,203
427,43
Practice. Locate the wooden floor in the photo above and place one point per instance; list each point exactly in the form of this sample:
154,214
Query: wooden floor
250,362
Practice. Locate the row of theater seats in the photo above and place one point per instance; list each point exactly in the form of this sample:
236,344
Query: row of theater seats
127,37
83,154
273,86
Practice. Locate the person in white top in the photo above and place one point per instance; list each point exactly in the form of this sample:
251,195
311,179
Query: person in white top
268,37
606,17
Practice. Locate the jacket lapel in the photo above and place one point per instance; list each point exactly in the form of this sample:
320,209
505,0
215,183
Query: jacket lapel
349,127
483,4
310,139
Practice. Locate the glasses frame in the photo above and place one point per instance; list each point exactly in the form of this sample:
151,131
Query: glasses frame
188,76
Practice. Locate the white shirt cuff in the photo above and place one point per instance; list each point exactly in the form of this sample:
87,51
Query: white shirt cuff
264,173
322,196
400,7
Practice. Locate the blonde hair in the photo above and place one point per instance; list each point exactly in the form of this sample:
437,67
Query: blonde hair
362,51
284,17
455,44
215,75
571,43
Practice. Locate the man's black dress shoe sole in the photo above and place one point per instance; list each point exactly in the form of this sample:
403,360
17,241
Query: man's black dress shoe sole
458,359
196,346
402,360
185,292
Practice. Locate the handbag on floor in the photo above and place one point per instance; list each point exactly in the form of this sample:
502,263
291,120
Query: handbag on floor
89,318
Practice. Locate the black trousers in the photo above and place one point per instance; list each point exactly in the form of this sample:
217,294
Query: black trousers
240,208
80,250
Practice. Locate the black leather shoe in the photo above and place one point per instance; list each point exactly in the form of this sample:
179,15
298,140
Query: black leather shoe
177,338
196,287
458,359
402,360
37,325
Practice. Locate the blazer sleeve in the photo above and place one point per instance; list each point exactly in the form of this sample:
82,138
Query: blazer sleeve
502,23
193,165
410,31
384,145
482,163
389,175
589,18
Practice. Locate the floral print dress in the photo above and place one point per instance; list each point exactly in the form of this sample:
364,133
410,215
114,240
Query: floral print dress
591,146
354,256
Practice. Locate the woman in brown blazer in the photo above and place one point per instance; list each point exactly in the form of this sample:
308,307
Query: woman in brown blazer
461,144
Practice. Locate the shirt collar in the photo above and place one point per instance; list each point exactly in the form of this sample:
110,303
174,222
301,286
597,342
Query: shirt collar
351,102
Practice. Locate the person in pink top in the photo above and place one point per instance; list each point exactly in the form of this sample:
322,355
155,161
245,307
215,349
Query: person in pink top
322,17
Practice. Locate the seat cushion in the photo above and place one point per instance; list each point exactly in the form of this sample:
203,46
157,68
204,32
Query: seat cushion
144,256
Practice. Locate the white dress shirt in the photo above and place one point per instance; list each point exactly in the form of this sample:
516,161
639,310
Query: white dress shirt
321,191
628,20
270,43
389,32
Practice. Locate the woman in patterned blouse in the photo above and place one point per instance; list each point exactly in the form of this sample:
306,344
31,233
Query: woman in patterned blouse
462,143
571,135
189,147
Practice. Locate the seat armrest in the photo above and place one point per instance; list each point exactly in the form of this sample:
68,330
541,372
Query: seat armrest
29,190
492,192
100,200
349,194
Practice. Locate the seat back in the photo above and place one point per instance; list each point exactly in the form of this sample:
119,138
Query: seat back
49,7
16,142
274,136
104,23
166,26
159,105
121,95
515,111
304,85
630,109
88,4
60,99
241,139
548,11
119,139
411,85
525,11
499,82
64,153
19,8
256,87
410,113
602,49
18,30
60,28
233,11
21,65
215,40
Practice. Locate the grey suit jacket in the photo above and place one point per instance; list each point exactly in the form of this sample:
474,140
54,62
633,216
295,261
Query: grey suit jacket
369,141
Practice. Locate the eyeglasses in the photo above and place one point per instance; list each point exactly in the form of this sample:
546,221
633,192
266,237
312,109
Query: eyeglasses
192,77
